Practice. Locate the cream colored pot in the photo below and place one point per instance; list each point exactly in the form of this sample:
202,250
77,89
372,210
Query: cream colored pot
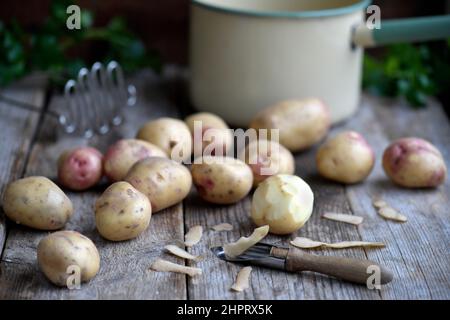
248,54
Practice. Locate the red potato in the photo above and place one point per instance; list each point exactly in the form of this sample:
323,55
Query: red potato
80,168
123,154
414,163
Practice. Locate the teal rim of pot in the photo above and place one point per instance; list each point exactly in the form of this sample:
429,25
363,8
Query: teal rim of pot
287,14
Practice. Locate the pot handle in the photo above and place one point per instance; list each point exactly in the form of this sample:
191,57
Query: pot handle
403,30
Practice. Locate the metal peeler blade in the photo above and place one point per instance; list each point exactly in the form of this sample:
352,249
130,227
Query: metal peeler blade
259,254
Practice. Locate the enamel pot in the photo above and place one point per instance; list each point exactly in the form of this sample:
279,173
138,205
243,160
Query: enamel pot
248,54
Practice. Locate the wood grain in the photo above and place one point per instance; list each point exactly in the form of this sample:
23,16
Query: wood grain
273,284
18,129
416,251
124,269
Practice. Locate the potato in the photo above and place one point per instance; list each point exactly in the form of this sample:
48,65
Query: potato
221,180
122,212
164,181
267,158
214,134
37,203
284,202
121,156
80,168
65,254
171,135
414,163
302,123
346,158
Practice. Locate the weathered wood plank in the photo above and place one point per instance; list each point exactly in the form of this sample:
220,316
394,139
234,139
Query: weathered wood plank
18,128
269,284
124,270
417,250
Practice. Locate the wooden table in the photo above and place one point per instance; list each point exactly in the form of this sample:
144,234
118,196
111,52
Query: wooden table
417,251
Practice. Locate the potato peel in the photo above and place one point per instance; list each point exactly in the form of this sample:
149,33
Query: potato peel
193,236
343,217
161,265
235,249
392,214
305,243
222,227
379,203
177,251
242,279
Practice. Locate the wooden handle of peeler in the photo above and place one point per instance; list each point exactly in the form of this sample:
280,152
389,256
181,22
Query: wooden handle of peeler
354,270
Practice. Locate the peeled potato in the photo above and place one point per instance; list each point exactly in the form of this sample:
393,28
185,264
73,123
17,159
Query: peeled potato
284,202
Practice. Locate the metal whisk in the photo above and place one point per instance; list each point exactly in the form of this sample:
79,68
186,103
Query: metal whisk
93,102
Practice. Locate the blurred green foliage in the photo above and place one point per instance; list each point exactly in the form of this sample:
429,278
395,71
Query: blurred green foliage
409,71
47,49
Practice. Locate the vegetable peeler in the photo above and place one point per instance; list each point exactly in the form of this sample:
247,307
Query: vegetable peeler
295,260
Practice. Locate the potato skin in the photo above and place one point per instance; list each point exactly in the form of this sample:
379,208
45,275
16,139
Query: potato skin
219,137
122,212
171,135
284,202
302,123
267,155
414,163
60,250
165,182
80,168
123,154
38,203
345,158
222,180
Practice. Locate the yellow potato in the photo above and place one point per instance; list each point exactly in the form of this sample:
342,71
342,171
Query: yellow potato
267,158
122,212
414,163
346,158
164,181
66,257
171,135
37,203
222,180
301,123
284,202
121,156
214,136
